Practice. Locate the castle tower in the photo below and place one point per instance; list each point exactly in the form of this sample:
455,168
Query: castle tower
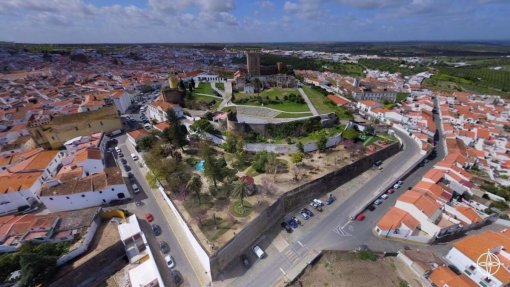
253,63
173,81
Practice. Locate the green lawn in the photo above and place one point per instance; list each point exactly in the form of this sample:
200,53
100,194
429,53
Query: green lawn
319,101
289,115
314,136
204,88
220,86
273,94
284,107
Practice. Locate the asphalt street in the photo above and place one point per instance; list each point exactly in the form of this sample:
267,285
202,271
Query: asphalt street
333,229
149,204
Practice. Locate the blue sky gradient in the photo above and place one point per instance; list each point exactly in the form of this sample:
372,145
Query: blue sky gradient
142,21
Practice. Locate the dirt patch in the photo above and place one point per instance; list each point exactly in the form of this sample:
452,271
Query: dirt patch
345,269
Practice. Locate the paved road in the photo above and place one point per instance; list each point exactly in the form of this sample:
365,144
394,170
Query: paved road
330,230
308,102
150,205
333,230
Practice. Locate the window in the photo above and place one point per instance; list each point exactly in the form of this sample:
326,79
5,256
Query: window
121,195
101,122
83,195
113,189
100,191
67,197
104,201
51,198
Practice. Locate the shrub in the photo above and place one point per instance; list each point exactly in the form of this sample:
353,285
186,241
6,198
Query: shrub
367,255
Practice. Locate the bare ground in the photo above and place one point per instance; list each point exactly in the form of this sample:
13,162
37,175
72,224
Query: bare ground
344,269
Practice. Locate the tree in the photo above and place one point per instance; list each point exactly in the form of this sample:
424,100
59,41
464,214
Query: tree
190,87
271,165
145,143
202,126
297,157
230,142
176,134
36,269
239,190
211,167
171,117
350,134
300,147
321,142
194,185
182,87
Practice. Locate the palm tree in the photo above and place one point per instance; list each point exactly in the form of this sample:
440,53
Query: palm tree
194,185
240,188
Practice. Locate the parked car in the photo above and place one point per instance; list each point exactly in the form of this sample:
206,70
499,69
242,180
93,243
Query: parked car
245,261
156,229
384,196
304,215
360,217
285,226
163,246
297,220
378,201
258,251
135,188
331,199
170,263
371,207
308,211
176,276
292,222
149,217
138,203
400,182
316,206
318,201
130,175
390,191
117,149
378,163
134,156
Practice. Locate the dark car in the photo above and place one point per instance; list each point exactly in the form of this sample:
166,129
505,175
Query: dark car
378,163
163,246
156,229
176,276
330,199
292,222
285,226
371,207
245,261
308,211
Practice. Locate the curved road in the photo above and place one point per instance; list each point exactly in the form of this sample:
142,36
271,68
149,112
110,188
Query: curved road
329,230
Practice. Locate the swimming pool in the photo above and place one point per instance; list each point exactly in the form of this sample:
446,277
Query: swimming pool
199,166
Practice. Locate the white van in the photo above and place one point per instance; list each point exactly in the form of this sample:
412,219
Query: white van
135,188
134,156
259,252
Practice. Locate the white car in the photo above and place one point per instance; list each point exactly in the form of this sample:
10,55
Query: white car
318,201
117,149
384,196
258,251
134,156
170,262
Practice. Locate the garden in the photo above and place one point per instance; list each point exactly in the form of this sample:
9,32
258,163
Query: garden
286,100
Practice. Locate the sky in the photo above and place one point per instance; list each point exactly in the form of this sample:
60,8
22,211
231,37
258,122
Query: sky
206,21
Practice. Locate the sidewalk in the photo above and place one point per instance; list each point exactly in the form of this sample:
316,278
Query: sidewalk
176,229
308,102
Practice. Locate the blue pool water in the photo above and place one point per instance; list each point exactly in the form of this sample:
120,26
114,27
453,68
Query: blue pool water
200,166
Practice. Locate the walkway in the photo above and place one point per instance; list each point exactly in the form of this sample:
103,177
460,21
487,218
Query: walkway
308,102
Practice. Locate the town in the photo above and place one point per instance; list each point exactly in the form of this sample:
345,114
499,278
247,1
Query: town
160,166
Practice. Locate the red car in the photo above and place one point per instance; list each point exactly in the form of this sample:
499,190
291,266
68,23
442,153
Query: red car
149,217
360,217
390,191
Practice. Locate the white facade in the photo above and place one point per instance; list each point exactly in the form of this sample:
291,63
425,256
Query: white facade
122,101
11,201
87,199
159,115
469,268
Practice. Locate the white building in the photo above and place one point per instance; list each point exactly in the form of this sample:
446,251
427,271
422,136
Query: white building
20,184
121,100
157,110
465,253
78,193
145,271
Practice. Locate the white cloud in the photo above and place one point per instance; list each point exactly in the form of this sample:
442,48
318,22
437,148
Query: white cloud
265,4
